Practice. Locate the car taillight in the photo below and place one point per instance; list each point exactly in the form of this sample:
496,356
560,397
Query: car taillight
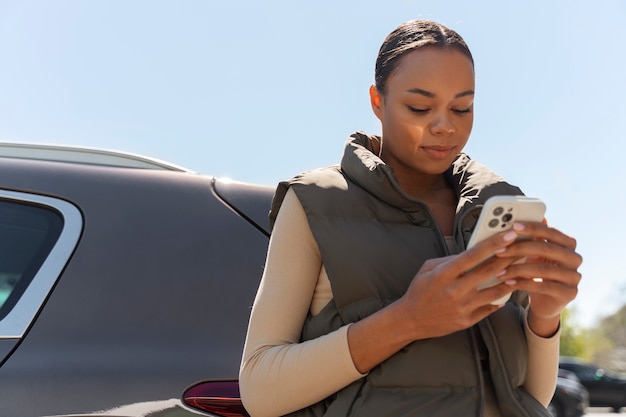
218,397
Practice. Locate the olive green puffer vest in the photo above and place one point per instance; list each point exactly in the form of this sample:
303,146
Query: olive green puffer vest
373,238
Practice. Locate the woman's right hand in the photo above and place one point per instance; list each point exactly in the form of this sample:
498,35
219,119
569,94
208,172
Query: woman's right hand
441,299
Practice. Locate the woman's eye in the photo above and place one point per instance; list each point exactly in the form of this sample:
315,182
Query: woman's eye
416,110
462,111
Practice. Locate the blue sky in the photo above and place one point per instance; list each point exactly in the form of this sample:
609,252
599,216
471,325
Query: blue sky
261,90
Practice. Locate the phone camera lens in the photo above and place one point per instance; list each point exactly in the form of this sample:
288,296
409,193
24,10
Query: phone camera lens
498,211
507,217
493,223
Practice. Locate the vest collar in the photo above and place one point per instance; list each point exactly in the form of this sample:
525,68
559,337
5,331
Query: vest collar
365,168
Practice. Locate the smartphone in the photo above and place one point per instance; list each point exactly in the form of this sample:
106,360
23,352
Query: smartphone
498,214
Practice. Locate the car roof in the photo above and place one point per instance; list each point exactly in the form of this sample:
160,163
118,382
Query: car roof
251,201
84,155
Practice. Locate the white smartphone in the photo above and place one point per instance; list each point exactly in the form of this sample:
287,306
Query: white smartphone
498,214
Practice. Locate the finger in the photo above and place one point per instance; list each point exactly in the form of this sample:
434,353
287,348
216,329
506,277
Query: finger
475,304
538,272
482,251
431,264
541,251
489,296
487,270
465,288
558,290
483,311
544,232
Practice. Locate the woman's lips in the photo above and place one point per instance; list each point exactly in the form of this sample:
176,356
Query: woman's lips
439,152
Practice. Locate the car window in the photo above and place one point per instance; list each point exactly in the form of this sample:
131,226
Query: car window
585,372
38,234
27,235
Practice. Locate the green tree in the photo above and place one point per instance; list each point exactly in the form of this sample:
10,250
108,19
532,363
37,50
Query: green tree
574,339
609,342
603,344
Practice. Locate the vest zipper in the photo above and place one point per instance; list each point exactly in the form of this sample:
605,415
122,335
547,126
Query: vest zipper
435,226
486,324
478,370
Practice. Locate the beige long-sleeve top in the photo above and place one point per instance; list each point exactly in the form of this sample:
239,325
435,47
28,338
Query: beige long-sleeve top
279,374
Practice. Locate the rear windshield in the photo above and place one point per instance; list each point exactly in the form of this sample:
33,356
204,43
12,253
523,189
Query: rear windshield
28,233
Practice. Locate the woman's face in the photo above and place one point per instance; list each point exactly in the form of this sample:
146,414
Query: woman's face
426,111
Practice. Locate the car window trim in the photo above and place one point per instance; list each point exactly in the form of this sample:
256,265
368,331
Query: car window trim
18,320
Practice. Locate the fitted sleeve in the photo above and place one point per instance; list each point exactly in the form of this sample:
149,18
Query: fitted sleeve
279,374
543,365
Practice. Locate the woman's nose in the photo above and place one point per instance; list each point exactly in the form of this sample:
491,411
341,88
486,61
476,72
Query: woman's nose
442,126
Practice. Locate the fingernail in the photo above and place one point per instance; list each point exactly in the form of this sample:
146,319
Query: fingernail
499,274
518,226
510,236
510,282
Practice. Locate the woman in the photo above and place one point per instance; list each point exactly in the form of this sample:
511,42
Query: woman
368,303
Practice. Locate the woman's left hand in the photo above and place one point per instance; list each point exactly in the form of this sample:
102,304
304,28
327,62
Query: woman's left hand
550,274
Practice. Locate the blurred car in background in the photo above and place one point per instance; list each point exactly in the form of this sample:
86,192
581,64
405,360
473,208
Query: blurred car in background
571,399
606,389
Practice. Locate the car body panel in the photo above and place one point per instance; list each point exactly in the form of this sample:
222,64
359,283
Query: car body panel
155,297
246,200
6,347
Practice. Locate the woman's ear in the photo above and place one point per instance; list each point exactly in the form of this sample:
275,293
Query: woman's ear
376,101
